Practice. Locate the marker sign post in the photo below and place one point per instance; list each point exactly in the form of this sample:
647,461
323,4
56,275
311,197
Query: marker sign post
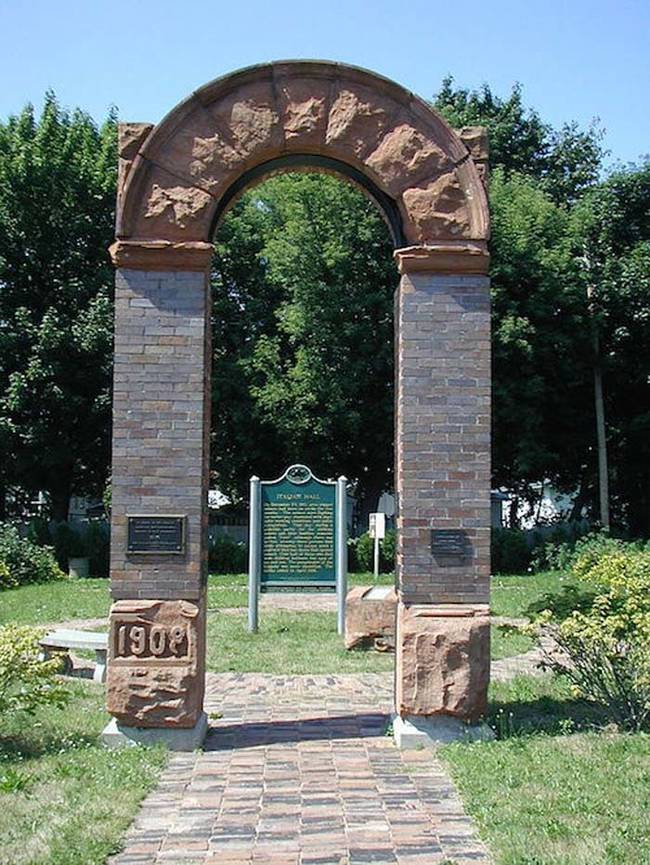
297,538
377,531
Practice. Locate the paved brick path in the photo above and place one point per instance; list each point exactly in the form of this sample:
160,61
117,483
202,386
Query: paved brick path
299,771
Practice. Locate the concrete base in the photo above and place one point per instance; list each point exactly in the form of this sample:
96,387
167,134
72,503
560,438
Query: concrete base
175,738
417,731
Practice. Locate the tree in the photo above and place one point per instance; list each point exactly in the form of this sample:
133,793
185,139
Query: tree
542,423
565,161
303,288
57,192
611,235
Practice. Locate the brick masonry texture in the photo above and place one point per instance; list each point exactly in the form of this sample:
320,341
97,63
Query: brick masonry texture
298,770
161,413
443,435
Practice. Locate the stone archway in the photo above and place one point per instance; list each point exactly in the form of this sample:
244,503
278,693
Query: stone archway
175,180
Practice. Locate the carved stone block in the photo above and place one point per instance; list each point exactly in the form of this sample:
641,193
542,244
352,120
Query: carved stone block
442,660
156,663
370,617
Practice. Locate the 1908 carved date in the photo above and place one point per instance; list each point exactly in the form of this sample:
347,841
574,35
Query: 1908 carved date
150,641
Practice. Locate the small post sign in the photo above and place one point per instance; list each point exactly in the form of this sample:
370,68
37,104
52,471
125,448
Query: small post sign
297,537
377,531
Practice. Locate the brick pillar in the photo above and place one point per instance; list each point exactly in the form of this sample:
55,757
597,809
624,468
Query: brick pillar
161,421
443,481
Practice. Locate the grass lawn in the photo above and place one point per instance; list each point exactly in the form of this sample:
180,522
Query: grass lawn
289,643
522,594
554,789
64,798
304,643
88,599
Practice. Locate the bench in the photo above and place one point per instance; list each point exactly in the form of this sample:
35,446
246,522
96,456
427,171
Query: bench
61,641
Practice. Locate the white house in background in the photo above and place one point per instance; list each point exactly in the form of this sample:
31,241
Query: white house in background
552,507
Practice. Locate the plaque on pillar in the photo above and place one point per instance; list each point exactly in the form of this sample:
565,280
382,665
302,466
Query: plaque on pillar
450,546
156,534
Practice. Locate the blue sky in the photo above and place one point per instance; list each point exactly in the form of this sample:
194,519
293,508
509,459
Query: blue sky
575,59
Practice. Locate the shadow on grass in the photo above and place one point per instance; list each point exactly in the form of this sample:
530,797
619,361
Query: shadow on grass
544,715
562,603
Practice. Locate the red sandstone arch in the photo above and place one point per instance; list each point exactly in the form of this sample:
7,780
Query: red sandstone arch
174,176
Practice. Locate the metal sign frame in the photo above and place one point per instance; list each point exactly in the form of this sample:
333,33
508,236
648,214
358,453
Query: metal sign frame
297,474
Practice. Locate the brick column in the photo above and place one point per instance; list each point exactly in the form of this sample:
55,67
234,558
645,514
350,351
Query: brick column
161,422
443,481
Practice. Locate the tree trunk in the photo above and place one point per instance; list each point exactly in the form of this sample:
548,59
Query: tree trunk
601,438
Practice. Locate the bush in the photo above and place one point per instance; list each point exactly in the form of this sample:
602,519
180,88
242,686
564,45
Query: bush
361,552
510,551
24,562
226,556
89,540
26,682
97,542
560,555
604,649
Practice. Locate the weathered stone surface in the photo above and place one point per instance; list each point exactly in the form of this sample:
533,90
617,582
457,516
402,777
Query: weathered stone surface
404,155
370,620
475,140
156,668
357,119
130,137
172,210
200,152
304,111
249,120
178,204
442,661
260,114
439,209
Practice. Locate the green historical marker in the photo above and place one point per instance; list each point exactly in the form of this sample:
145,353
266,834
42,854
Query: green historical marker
298,537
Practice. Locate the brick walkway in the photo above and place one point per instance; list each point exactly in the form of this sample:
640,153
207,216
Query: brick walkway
298,770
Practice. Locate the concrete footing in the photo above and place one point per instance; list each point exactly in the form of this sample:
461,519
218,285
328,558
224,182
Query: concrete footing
417,731
175,738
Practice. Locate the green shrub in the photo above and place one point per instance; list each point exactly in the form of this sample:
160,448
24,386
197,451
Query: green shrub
604,649
226,556
560,555
510,551
7,579
363,549
26,681
24,561
388,549
365,552
97,542
89,540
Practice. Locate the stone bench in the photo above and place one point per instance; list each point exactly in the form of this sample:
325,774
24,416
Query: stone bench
60,642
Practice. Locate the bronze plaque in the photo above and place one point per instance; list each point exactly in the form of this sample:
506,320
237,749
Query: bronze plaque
163,535
450,546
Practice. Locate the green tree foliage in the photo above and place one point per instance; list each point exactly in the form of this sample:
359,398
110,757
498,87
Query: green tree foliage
557,229
57,192
611,239
565,161
543,404
303,287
